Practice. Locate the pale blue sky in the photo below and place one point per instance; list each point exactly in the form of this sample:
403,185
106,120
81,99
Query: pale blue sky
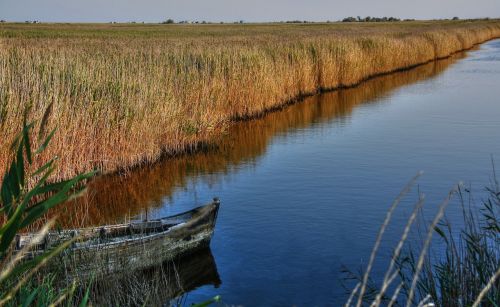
232,10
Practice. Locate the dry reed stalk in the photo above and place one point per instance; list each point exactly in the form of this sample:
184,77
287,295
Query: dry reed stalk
351,296
395,295
425,247
485,290
390,275
380,234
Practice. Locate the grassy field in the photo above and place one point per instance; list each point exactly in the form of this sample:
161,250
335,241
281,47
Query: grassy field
124,94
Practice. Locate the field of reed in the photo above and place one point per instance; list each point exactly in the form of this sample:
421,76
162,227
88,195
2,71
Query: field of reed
114,198
123,94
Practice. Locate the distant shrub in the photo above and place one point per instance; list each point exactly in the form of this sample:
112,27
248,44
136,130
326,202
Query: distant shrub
370,19
455,18
349,19
168,21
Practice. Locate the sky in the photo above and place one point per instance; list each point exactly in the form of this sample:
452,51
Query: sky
235,10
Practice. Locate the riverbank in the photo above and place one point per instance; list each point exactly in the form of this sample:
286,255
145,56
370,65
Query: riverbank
122,95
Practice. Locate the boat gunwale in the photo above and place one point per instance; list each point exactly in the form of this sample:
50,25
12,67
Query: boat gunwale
139,239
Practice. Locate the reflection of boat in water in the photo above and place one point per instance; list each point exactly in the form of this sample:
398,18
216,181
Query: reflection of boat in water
129,247
161,284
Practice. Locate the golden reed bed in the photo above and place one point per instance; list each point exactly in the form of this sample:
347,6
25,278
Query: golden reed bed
122,95
112,199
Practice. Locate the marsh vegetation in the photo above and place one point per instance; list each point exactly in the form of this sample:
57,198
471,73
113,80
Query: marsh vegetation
122,95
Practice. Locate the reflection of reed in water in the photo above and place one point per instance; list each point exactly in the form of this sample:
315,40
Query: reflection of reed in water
113,198
159,284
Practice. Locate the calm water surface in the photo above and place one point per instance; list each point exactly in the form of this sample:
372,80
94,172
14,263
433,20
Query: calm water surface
304,190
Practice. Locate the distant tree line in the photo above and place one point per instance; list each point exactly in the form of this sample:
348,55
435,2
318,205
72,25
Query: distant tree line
371,19
298,21
385,19
203,22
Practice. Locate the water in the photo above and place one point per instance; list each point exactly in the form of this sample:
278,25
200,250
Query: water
305,190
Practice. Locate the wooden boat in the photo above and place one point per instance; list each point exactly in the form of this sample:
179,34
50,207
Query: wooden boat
128,247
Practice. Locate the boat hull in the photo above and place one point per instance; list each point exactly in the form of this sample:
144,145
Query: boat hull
100,251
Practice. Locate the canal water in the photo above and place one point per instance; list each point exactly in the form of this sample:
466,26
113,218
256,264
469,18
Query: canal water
304,190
